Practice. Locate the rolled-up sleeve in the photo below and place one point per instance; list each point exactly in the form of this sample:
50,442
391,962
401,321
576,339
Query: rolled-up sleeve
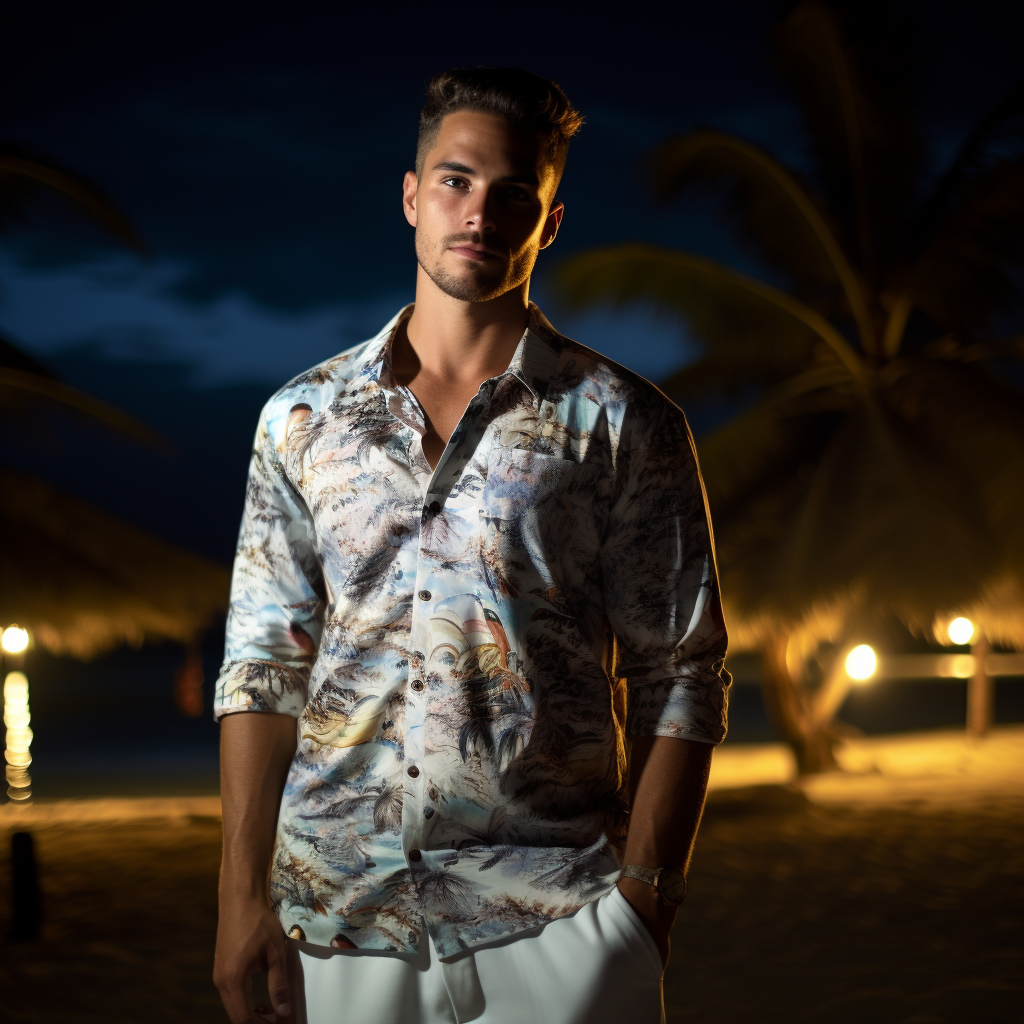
661,584
275,617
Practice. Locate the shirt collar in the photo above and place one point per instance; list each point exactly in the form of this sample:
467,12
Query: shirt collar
537,356
534,361
376,359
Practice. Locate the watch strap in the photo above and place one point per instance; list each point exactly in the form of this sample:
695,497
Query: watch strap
641,874
663,886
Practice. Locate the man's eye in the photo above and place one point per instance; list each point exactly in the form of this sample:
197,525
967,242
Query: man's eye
454,182
518,194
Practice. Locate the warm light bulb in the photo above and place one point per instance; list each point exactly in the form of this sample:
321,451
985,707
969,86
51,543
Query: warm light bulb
14,640
861,663
961,630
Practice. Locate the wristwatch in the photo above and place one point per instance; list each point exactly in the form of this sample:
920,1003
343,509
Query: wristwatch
669,881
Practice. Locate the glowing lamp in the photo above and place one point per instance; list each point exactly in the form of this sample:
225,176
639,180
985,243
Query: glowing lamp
960,630
861,663
14,640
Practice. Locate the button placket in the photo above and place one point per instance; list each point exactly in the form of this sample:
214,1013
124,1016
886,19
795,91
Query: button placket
435,486
418,575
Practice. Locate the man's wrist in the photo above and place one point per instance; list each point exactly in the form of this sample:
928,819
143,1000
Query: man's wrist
645,900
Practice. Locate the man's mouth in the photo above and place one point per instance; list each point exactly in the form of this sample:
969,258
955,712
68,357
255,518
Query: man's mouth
478,253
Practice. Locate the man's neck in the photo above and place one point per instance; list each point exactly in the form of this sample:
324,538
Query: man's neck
465,341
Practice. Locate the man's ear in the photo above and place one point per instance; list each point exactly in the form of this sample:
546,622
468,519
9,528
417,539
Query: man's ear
409,186
554,218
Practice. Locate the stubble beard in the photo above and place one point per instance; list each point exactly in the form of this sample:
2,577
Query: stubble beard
473,286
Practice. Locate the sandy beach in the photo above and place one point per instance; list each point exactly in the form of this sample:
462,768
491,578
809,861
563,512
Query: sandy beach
892,891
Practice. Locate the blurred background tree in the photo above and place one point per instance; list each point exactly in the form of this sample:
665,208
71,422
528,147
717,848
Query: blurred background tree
877,463
81,580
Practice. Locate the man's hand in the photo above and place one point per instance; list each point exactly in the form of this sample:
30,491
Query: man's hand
656,915
249,940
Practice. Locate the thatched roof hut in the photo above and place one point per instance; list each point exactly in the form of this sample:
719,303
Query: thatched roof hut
83,582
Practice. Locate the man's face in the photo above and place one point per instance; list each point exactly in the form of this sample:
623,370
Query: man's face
481,206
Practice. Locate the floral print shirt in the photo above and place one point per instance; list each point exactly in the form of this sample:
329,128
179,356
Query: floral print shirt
468,650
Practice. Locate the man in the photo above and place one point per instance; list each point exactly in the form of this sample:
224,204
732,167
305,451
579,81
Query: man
475,565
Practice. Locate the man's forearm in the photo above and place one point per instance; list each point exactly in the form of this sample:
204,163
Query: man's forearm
256,750
668,781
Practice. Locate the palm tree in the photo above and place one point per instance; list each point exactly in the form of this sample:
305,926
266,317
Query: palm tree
81,580
879,466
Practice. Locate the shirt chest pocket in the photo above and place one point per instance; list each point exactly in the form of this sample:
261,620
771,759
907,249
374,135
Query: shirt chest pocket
542,516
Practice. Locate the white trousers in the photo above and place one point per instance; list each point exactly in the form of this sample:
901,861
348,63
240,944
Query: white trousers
599,966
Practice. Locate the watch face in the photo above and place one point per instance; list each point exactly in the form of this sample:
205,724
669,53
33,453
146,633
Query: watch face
672,885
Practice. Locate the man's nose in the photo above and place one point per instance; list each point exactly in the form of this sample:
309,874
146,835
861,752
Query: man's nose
480,215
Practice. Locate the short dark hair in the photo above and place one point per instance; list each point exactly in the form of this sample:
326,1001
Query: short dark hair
529,101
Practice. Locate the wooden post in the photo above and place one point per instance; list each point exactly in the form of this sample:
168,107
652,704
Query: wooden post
24,888
979,692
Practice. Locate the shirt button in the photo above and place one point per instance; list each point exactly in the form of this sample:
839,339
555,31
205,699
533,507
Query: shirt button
434,507
424,595
412,771
415,856
417,685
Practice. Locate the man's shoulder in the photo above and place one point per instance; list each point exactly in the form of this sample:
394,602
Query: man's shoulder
316,388
597,378
638,417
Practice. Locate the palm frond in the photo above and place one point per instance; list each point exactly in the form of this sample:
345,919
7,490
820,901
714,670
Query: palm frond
774,212
752,321
982,351
24,178
26,381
